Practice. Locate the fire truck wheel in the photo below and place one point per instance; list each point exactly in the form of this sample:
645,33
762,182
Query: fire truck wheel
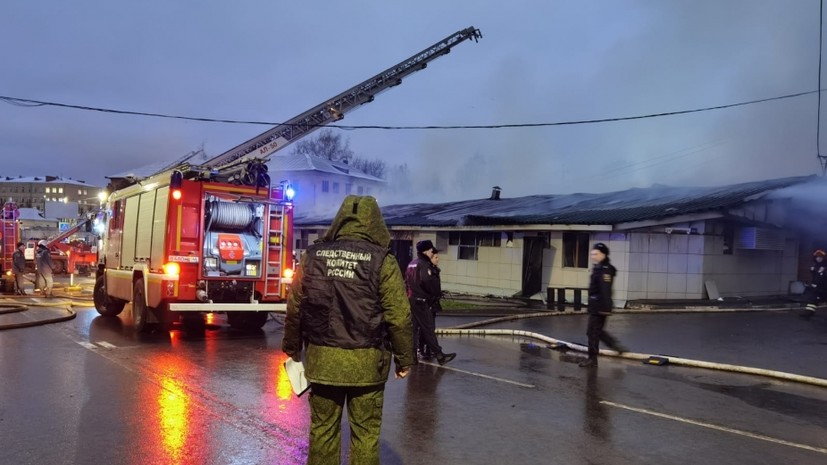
247,321
58,267
140,312
104,304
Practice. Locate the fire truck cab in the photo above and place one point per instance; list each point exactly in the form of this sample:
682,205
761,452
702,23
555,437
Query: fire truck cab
178,246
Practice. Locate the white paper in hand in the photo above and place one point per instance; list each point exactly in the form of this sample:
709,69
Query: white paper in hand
295,372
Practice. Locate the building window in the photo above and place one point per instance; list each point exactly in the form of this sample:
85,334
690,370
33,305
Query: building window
469,242
360,190
368,191
576,250
48,190
80,192
325,186
335,187
348,188
59,190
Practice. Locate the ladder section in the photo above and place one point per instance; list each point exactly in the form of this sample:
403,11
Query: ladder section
275,251
8,235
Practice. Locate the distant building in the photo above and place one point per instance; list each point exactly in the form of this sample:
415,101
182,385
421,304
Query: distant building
36,191
321,184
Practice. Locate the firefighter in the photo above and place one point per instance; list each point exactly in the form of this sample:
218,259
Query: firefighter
818,283
600,304
348,307
43,261
19,267
423,289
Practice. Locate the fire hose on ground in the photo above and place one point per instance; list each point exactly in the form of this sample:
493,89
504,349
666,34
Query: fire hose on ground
558,344
22,303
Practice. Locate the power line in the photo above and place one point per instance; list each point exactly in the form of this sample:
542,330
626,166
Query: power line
38,103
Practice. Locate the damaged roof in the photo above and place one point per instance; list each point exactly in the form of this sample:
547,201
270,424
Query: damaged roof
637,204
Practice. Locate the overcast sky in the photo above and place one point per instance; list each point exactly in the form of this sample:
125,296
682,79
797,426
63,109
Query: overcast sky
539,61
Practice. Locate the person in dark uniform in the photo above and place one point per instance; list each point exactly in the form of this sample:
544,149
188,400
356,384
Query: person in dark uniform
818,283
349,308
436,307
600,304
423,289
19,265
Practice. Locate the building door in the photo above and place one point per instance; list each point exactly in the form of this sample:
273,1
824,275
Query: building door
402,249
532,265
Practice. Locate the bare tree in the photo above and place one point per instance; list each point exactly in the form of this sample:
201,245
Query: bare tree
374,168
327,144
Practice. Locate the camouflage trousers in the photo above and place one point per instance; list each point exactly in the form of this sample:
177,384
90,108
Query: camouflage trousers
364,413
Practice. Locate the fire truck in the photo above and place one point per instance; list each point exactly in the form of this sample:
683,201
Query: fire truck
217,236
77,256
9,236
71,257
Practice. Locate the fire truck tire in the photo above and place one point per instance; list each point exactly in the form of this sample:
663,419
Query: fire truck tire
58,267
104,304
140,312
247,321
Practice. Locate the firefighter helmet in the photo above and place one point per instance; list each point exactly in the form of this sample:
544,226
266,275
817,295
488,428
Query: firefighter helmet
42,243
819,253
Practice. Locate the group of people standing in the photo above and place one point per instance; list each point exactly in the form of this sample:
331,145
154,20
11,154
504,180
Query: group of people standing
352,314
43,269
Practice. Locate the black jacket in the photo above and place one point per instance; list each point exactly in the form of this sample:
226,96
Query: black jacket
422,279
600,287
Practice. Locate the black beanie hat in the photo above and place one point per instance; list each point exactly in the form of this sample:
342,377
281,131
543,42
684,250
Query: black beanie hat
424,246
601,247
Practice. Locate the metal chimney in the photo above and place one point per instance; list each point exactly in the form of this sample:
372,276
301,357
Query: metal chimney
495,193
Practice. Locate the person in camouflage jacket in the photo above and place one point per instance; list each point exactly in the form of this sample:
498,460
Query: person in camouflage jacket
349,311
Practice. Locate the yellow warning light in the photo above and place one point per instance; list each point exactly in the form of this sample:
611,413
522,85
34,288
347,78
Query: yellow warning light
172,269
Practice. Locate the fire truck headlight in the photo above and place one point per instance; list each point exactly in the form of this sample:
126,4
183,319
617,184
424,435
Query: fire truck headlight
172,269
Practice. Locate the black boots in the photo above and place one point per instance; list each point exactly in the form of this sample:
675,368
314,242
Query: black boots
588,363
443,358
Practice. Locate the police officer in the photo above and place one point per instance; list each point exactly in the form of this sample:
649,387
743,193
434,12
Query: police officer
19,267
349,308
600,304
423,289
818,283
436,307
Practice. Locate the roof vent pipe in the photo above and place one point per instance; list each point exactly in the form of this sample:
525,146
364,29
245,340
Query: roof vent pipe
495,193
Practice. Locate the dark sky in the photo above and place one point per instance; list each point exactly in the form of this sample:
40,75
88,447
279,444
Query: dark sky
539,61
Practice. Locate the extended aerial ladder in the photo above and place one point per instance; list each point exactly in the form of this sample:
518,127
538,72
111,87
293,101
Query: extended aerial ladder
230,166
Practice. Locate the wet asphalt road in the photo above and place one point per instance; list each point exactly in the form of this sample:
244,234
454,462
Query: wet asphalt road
90,390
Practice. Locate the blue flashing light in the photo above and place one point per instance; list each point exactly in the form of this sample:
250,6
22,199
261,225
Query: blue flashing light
289,193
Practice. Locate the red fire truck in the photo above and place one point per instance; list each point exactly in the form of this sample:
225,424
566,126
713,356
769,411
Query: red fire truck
217,237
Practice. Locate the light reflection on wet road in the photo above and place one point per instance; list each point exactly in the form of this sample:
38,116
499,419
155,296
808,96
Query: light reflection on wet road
93,391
